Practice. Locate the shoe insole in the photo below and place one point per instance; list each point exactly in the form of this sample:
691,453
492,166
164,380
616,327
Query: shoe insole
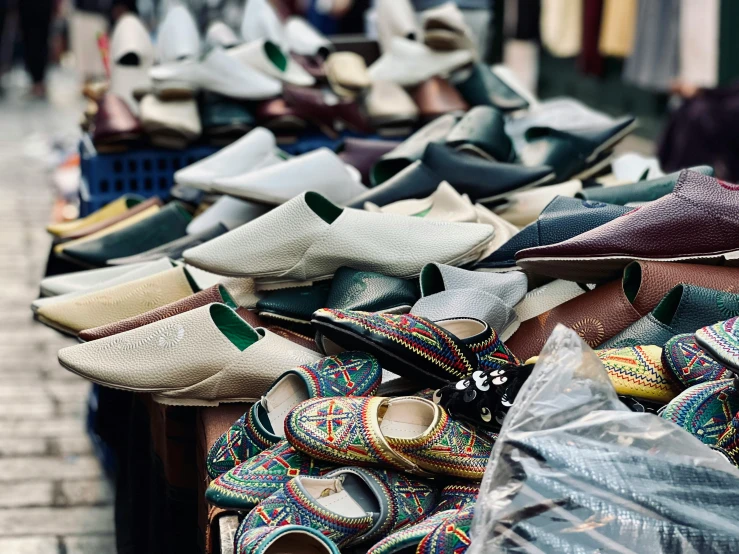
284,396
462,328
349,496
406,419
297,541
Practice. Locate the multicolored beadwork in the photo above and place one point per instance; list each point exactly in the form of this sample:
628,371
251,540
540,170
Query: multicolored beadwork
452,536
347,431
345,374
704,410
244,439
404,499
258,541
638,371
728,441
721,342
250,482
689,363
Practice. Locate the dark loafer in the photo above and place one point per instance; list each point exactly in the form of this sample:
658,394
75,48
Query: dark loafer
432,353
114,127
364,153
173,249
641,191
326,110
485,88
437,97
562,219
414,181
482,180
168,224
411,149
224,119
481,132
684,309
574,154
368,291
696,222
293,307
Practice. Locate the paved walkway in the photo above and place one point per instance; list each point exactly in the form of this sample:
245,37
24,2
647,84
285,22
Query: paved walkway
53,498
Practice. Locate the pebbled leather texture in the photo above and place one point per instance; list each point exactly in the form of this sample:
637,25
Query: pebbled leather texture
169,224
484,88
700,218
446,204
482,131
207,296
696,308
466,303
79,280
411,149
563,218
119,302
320,171
414,181
641,191
100,225
586,315
173,249
94,282
364,153
188,356
295,304
509,287
437,97
480,179
293,243
367,291
547,297
522,208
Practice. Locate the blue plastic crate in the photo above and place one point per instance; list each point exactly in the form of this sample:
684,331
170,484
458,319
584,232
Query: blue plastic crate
146,172
150,172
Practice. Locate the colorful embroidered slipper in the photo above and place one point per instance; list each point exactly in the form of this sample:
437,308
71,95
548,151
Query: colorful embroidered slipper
705,410
728,442
406,433
690,364
405,541
250,482
414,347
637,371
721,342
452,536
485,397
349,505
283,540
346,374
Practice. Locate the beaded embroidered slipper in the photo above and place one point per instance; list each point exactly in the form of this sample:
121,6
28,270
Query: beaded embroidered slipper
288,538
721,342
405,541
637,371
689,363
705,410
250,482
430,352
346,374
728,442
349,505
407,433
485,397
452,536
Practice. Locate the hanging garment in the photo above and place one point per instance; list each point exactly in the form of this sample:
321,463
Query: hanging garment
654,62
617,28
591,61
699,36
561,27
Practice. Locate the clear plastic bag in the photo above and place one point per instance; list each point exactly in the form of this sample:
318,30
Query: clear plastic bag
575,471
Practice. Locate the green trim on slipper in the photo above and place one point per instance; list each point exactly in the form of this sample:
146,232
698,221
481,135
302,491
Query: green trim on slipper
238,331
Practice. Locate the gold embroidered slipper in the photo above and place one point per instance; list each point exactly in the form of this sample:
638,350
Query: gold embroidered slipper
408,433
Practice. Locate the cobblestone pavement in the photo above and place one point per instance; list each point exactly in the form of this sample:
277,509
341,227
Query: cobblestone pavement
53,498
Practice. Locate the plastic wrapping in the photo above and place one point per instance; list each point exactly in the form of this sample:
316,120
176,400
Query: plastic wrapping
575,471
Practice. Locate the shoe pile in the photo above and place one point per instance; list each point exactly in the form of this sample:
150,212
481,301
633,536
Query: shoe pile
380,308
